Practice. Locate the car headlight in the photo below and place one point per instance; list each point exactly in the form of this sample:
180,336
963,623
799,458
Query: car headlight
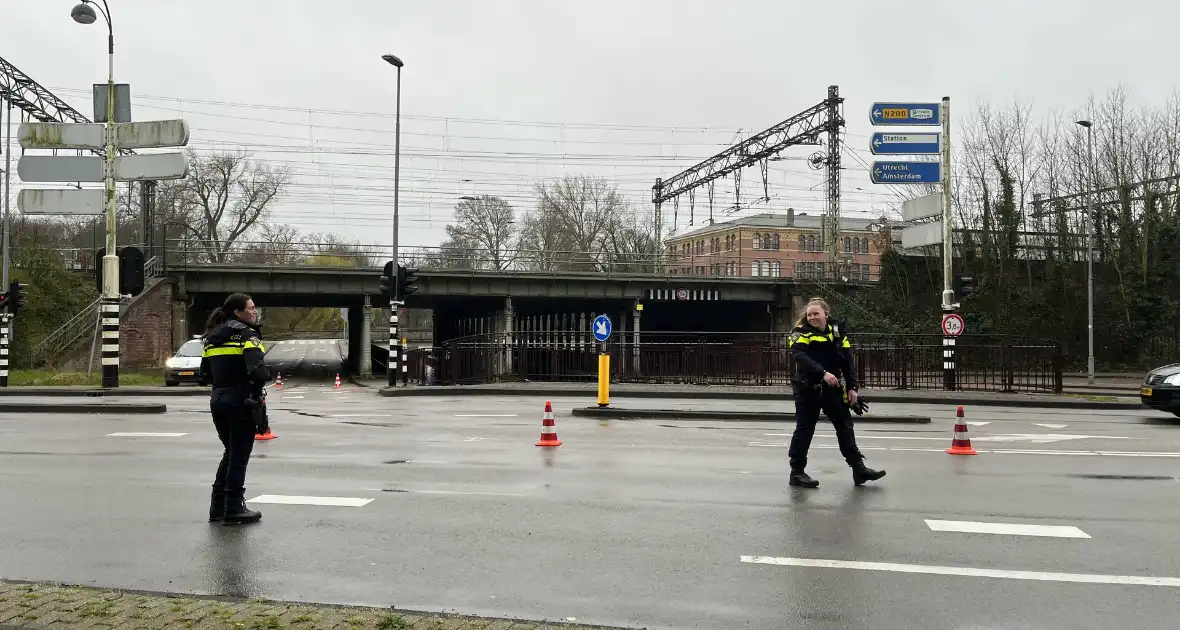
170,363
1173,380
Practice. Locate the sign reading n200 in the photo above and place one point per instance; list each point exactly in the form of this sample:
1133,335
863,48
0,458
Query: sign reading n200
906,114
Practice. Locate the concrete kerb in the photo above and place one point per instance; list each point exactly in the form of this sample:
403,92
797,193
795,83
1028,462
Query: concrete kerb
108,408
906,398
623,413
50,391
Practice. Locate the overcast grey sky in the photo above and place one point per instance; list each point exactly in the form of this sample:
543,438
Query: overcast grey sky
499,93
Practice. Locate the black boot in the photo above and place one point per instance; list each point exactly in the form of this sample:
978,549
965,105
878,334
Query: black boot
216,505
802,479
862,473
236,512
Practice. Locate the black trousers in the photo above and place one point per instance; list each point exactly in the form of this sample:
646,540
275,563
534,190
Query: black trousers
236,430
808,404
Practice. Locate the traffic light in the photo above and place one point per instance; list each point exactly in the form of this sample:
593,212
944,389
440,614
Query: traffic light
387,280
131,270
964,286
406,281
16,297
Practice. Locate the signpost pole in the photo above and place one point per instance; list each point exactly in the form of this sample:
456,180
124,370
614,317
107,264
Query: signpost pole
601,329
948,248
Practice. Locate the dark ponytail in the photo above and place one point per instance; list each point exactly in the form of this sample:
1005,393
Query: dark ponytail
225,312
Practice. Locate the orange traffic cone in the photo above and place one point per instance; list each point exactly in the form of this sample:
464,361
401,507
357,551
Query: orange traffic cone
548,428
265,436
279,381
337,381
961,444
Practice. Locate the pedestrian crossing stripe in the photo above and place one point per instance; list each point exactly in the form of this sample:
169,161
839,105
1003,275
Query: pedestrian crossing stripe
709,295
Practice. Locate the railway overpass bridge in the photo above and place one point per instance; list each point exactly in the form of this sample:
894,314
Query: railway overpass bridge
479,301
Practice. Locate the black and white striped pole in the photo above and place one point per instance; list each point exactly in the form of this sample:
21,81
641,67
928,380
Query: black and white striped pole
394,345
4,319
110,341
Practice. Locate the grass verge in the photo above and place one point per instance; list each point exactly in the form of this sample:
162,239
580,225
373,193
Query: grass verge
49,378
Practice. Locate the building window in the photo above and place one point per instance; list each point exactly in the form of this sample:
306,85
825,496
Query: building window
754,268
864,245
776,269
802,243
766,268
811,243
777,242
757,241
848,245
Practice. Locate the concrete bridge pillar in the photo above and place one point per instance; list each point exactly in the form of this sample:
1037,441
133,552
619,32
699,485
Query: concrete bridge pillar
508,328
365,349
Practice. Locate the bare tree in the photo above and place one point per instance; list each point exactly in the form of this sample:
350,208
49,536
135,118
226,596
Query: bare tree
588,210
488,225
223,198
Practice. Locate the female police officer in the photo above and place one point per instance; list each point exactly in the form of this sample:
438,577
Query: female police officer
232,361
822,355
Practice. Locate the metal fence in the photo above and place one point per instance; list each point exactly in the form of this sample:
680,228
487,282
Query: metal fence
779,263
983,362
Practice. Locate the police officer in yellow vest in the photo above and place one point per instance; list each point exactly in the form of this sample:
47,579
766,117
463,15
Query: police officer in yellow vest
232,361
822,356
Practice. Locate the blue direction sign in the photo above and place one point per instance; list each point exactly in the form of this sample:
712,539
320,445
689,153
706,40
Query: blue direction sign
906,114
905,143
907,172
602,328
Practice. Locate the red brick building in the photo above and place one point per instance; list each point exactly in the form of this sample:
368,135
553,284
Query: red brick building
774,245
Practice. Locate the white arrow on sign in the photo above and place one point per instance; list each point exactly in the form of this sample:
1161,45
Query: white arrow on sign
601,328
61,201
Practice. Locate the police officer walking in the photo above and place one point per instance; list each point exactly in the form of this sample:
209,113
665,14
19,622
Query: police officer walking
232,361
822,356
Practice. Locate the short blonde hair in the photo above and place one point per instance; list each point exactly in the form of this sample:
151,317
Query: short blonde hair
815,301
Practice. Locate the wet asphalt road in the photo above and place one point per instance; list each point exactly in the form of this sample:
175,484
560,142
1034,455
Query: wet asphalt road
630,523
315,359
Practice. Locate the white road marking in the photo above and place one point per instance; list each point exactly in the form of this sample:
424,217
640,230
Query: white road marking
488,494
1000,451
817,563
282,499
980,424
1049,425
1034,438
137,434
293,397
486,415
363,415
1014,529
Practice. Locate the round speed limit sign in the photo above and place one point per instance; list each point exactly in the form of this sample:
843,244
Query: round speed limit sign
952,325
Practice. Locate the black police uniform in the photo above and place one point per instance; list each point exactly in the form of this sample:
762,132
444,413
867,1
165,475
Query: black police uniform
815,352
232,361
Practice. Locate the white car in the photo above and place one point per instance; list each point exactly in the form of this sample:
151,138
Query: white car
185,365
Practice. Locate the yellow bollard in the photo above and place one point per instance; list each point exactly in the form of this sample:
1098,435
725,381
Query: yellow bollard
603,380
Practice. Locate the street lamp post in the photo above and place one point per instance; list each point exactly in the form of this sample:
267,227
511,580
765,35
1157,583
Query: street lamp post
84,13
1090,252
397,148
392,365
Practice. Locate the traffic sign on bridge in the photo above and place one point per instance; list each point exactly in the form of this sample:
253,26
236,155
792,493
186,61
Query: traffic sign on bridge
905,144
906,114
906,172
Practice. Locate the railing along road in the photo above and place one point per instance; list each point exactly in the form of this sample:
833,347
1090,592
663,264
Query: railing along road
983,362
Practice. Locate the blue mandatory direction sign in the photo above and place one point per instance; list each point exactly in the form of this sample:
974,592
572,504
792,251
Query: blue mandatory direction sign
906,114
601,328
907,172
905,143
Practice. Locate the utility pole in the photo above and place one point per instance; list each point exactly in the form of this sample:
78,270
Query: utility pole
1090,252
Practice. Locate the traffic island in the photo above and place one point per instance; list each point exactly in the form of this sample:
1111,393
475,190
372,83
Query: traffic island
41,605
623,413
81,408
